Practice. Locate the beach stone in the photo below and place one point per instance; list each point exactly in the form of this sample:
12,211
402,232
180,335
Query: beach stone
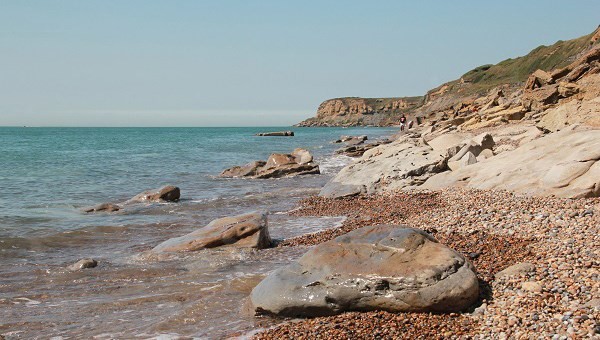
167,193
83,264
302,156
249,169
594,304
516,270
532,286
384,267
242,231
103,207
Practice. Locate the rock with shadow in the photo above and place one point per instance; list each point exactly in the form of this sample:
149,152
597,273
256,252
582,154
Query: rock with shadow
385,267
299,162
242,231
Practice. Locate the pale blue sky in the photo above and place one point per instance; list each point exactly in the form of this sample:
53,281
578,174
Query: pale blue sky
236,63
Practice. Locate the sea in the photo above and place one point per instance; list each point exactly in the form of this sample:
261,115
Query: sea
48,175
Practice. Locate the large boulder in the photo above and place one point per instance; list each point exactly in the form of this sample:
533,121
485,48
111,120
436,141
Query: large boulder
405,163
564,164
242,231
167,193
383,267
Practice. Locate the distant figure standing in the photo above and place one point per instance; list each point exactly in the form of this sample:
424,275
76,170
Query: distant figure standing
402,122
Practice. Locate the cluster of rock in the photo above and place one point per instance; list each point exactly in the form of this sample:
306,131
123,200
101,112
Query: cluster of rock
404,163
466,152
554,100
356,146
276,134
563,164
383,267
167,193
566,96
299,162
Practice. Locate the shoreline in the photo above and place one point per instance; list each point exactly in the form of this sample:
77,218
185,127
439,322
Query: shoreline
506,229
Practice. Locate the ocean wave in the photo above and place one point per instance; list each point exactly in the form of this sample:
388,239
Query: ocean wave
332,165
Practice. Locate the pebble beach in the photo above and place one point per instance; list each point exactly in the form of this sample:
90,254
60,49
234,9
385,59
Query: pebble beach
557,239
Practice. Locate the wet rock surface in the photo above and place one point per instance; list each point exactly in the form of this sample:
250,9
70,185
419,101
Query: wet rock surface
83,264
167,193
385,267
103,207
242,231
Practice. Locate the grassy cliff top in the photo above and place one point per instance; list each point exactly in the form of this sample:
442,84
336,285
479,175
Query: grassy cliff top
516,70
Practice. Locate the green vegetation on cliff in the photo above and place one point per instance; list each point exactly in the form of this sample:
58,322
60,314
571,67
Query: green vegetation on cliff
513,71
477,82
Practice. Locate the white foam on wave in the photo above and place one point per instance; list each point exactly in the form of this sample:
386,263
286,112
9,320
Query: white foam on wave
334,164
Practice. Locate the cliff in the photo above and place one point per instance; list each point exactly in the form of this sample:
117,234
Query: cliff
353,111
504,80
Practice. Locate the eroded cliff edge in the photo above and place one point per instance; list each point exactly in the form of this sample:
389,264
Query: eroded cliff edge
482,88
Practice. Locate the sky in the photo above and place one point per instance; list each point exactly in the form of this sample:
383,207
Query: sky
250,63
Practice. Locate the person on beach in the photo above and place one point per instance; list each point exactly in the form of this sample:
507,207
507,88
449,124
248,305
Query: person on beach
402,122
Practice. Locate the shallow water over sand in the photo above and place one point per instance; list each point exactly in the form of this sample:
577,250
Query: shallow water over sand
48,175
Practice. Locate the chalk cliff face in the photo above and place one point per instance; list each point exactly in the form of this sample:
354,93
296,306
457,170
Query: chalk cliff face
487,88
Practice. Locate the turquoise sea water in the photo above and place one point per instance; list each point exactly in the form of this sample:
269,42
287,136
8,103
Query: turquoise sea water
48,174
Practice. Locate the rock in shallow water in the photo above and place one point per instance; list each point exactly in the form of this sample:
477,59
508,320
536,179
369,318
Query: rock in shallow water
83,264
403,164
277,133
242,231
299,162
167,193
103,207
384,267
